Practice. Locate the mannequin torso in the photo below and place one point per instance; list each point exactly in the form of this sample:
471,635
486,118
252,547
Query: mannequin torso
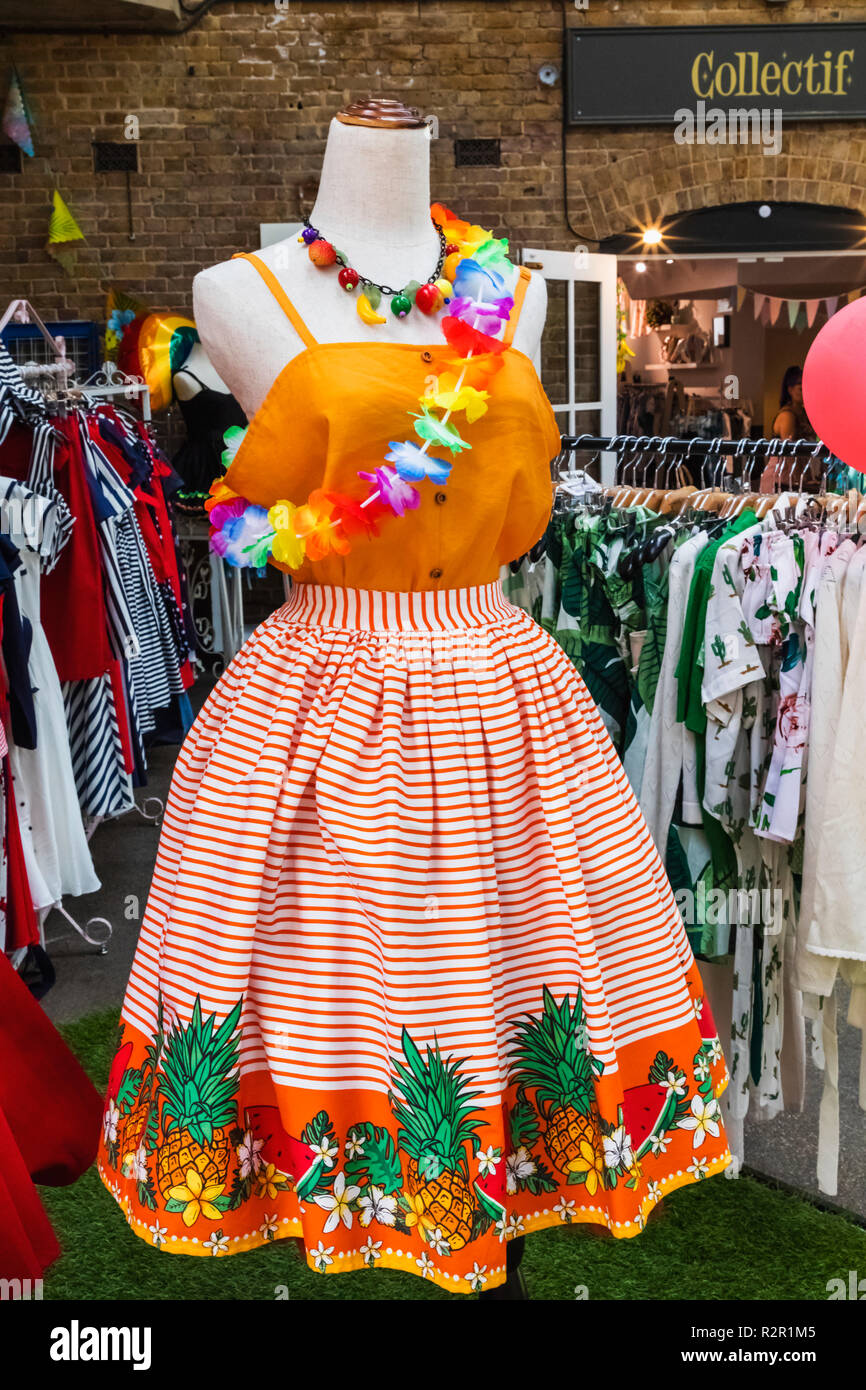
197,371
373,204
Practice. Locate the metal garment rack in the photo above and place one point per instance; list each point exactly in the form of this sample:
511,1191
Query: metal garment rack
110,382
710,454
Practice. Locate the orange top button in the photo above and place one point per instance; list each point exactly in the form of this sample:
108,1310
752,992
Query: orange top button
426,356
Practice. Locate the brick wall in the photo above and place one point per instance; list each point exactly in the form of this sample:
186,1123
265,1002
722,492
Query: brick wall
233,117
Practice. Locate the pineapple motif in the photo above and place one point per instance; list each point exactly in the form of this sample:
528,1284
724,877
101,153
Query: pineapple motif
566,1130
198,1086
132,1130
131,1090
553,1060
435,1115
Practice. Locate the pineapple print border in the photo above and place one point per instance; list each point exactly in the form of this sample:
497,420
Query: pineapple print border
450,1185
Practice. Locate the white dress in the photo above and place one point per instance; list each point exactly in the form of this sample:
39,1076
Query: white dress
838,923
670,745
56,851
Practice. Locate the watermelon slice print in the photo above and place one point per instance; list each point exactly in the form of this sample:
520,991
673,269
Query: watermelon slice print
706,1022
118,1069
491,1190
290,1156
644,1110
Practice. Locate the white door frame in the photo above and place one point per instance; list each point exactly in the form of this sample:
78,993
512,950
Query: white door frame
580,267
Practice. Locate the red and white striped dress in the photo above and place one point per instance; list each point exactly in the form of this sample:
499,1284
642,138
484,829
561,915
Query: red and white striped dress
411,980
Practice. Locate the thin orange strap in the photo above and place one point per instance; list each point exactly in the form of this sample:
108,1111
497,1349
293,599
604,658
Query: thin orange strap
280,296
519,296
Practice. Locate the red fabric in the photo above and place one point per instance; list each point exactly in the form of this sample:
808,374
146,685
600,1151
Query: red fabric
152,515
28,1245
73,604
121,709
49,1125
21,926
142,493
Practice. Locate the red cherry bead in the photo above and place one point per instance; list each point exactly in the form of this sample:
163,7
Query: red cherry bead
322,253
348,277
426,298
451,248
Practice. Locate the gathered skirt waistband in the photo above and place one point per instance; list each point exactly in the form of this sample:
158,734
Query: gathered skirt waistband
377,610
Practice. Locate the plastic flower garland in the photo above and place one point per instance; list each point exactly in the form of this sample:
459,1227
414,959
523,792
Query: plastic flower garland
247,535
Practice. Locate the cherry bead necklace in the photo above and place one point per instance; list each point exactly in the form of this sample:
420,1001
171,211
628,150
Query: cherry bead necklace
428,297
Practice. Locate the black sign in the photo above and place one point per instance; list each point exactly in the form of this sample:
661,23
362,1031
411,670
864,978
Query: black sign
645,76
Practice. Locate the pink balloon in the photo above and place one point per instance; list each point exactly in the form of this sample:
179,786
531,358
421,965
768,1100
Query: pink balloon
834,376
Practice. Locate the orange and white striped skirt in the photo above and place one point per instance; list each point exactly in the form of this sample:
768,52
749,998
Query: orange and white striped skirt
411,980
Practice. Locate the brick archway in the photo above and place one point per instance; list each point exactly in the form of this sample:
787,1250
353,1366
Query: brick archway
640,182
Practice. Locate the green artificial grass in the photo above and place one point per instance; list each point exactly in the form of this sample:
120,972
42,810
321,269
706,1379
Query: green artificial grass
718,1240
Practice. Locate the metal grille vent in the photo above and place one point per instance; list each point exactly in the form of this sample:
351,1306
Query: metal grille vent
10,159
475,152
109,156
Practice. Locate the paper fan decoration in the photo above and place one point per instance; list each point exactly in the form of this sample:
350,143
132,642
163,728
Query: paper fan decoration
16,117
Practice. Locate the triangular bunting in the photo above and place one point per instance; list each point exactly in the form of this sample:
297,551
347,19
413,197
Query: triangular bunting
16,117
741,294
62,230
800,323
775,308
760,301
63,226
831,303
793,311
811,310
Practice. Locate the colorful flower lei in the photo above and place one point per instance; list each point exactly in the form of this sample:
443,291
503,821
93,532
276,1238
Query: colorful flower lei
247,535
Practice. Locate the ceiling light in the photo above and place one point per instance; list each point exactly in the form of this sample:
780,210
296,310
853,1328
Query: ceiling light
669,261
640,267
765,210
652,236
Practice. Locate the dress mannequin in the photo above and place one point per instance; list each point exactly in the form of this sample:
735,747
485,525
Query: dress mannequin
197,371
373,203
398,829
208,410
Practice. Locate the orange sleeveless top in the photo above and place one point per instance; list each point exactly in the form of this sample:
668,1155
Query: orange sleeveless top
333,410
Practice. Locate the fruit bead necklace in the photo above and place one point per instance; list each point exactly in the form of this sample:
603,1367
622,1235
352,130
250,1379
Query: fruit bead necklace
248,535
427,296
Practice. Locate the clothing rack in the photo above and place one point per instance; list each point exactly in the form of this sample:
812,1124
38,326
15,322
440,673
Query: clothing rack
696,448
722,687
110,382
709,454
22,311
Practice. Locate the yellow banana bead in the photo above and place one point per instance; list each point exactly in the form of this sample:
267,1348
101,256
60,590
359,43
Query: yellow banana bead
366,312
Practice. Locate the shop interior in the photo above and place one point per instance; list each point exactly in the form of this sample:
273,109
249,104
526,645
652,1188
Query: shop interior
710,333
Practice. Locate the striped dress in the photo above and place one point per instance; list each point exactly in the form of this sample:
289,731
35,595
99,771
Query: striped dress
411,980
